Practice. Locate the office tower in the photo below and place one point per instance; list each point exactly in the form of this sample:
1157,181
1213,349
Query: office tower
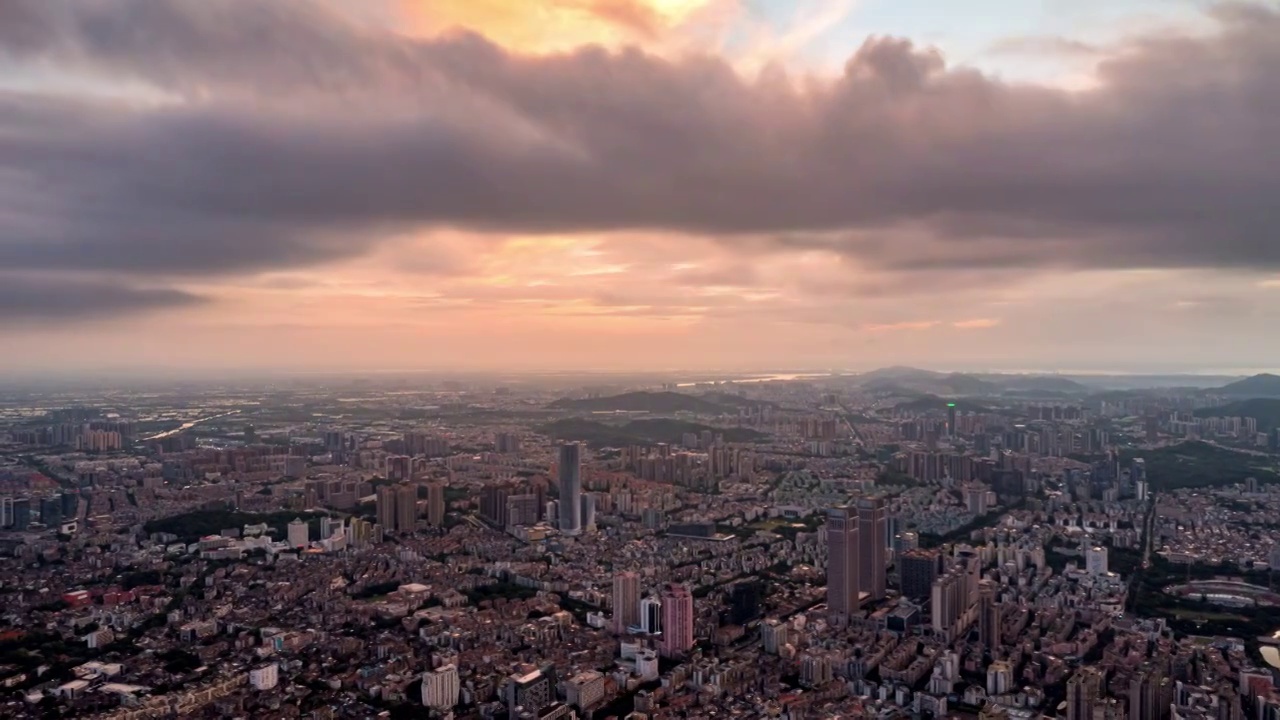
951,419
651,615
744,601
21,513
6,511
51,511
435,504
588,516
677,620
440,687
842,563
570,488
988,616
298,534
326,527
871,547
70,504
1082,690
626,601
333,440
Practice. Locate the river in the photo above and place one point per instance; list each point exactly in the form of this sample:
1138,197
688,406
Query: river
187,426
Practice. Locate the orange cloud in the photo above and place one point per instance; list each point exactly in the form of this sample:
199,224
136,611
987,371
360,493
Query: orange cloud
541,26
889,327
976,324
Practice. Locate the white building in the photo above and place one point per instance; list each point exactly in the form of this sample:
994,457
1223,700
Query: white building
774,634
647,665
298,533
585,690
440,687
651,615
265,677
1095,560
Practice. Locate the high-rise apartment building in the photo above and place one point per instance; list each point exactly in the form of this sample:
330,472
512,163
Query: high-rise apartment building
397,508
570,472
588,514
1083,690
989,619
406,508
871,547
435,504
626,601
842,563
440,687
677,620
1150,694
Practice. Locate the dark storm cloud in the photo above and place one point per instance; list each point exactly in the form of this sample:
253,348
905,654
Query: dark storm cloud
295,138
28,298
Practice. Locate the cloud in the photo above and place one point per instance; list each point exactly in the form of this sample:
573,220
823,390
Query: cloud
33,298
1046,44
976,324
287,136
893,327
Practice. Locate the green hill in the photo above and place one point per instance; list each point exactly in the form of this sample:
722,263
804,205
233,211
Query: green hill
1043,383
650,402
933,402
1265,410
961,384
1199,464
640,432
1264,385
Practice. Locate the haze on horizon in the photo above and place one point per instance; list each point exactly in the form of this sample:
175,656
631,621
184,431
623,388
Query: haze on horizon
204,186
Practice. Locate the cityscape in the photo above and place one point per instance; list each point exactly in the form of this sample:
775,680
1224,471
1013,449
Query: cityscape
639,359
847,545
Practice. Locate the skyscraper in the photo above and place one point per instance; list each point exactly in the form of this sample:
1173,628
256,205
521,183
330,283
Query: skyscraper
406,508
385,505
918,569
570,488
842,563
397,508
1150,694
871,546
1082,690
626,601
988,616
651,615
435,504
677,620
588,516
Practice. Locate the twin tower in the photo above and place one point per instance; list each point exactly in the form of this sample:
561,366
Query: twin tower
856,556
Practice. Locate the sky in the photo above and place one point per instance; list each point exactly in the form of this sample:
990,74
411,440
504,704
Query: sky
333,185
